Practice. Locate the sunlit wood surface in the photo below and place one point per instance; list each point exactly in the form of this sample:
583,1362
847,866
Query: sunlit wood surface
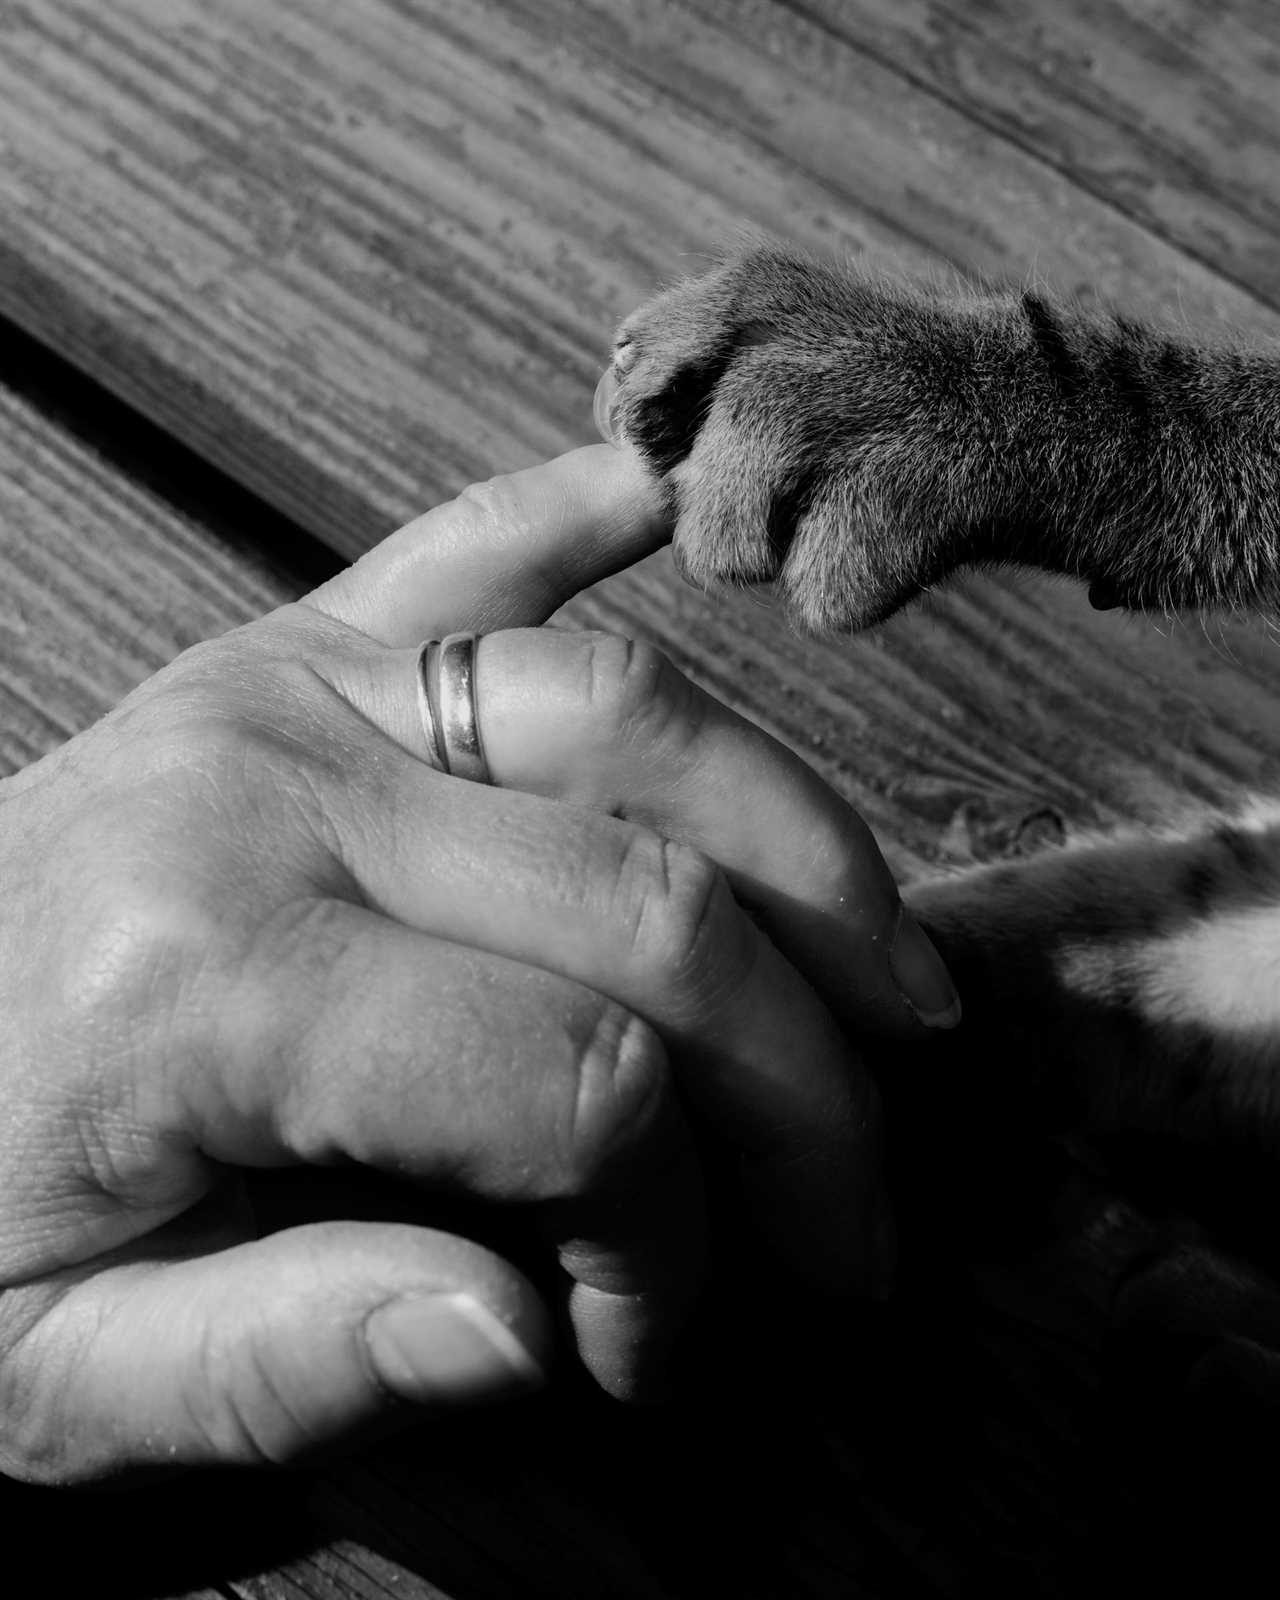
279,275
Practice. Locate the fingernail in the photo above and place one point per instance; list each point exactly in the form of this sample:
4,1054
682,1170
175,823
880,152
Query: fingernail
447,1347
923,982
606,409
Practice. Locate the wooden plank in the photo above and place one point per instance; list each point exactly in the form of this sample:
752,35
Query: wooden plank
357,258
1166,111
358,255
105,579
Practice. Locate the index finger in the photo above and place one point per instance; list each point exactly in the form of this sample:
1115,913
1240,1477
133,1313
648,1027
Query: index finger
506,553
609,723
624,912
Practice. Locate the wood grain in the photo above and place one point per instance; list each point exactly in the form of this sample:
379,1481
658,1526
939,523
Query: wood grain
919,726
104,581
358,256
259,227
1166,112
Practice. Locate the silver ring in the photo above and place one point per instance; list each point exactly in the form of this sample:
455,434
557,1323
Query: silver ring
446,678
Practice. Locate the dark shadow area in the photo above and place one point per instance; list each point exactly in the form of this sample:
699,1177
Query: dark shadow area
1074,1390
159,463
196,1531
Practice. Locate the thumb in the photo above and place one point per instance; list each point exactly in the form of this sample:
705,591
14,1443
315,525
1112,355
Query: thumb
268,1350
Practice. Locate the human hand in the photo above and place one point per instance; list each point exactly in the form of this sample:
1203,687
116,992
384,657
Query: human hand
248,925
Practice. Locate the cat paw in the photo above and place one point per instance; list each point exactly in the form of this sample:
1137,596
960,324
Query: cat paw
793,411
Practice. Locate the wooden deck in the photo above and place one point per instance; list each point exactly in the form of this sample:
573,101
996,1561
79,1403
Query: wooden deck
276,276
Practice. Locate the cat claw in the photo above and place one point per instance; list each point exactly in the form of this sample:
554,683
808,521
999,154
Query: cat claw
606,409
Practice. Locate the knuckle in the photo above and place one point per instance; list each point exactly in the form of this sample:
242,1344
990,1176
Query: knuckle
235,1404
504,518
620,1092
129,995
291,1074
633,693
129,956
679,916
131,981
233,715
497,502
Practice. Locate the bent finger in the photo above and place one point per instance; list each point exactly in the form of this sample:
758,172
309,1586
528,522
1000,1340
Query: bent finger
267,1350
505,553
609,723
360,1039
624,912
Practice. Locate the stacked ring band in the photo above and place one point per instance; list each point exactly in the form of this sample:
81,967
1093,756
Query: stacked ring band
446,685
